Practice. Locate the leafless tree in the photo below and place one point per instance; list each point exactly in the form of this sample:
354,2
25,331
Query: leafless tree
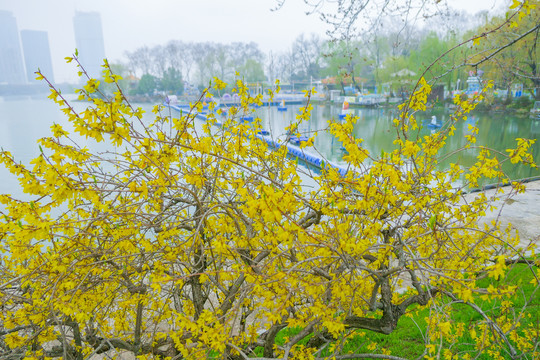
160,60
307,52
140,60
174,50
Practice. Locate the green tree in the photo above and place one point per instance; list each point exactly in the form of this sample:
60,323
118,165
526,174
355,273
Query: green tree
343,61
431,48
512,55
171,82
396,74
147,85
252,71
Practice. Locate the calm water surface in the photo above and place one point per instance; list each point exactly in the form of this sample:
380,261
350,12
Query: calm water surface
375,127
24,120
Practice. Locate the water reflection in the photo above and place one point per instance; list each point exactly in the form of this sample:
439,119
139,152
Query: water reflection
535,127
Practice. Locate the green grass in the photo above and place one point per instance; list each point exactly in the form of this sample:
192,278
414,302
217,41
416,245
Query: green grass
407,341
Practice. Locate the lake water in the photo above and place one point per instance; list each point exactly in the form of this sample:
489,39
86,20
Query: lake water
24,120
375,126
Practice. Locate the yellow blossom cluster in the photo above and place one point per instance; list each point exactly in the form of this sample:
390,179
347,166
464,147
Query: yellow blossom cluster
180,242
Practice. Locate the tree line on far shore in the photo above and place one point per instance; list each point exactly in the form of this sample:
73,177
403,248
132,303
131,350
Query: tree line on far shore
387,59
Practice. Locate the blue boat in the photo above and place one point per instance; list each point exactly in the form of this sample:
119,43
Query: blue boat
434,124
296,140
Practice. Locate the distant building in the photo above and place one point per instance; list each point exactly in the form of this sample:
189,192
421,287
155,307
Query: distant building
89,40
11,61
37,54
474,82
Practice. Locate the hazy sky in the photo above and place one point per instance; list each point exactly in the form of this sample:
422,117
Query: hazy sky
128,24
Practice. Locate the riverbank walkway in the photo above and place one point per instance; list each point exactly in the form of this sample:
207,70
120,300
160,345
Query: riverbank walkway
522,211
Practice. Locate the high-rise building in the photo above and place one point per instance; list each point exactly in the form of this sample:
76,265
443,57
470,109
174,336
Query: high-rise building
89,40
37,54
11,61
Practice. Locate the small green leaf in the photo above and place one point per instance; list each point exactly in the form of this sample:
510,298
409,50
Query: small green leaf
432,222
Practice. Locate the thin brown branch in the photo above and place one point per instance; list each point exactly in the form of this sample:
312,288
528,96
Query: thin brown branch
504,47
